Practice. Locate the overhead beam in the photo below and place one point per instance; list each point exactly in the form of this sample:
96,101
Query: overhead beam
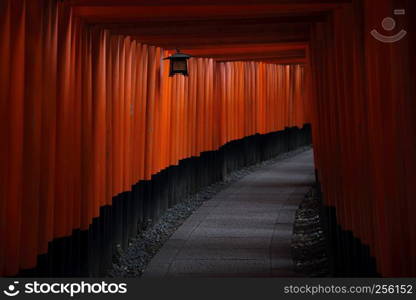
153,25
248,55
134,13
220,42
280,61
199,2
233,45
263,48
214,30
288,54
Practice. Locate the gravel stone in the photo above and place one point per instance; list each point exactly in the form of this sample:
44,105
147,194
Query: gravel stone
308,242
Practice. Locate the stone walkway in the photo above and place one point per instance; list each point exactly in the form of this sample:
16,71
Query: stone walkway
244,231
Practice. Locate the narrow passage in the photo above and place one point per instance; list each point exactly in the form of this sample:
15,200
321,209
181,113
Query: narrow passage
244,231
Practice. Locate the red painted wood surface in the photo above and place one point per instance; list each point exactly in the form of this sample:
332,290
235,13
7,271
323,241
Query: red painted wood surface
86,114
364,128
87,107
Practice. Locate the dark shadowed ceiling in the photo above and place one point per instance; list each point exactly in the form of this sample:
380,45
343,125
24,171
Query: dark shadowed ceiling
274,31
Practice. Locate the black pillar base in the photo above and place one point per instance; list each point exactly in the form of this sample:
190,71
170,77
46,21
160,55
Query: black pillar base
348,256
90,252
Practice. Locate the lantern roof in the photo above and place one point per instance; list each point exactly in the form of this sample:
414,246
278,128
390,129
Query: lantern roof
178,55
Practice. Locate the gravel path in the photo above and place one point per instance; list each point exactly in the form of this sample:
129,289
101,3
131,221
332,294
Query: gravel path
133,261
308,242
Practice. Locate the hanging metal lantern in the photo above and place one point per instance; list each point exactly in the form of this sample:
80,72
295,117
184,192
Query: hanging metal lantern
178,63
